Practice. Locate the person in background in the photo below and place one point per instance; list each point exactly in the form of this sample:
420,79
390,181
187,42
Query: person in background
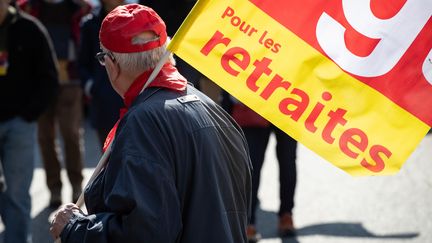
28,84
104,102
257,131
174,13
179,170
61,18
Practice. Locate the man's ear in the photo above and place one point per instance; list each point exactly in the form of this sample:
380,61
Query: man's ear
112,68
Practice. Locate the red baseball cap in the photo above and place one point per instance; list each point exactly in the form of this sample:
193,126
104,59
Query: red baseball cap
125,22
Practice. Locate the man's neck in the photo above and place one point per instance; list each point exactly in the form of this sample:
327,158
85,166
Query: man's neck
127,80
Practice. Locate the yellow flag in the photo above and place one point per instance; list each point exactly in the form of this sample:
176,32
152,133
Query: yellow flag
336,84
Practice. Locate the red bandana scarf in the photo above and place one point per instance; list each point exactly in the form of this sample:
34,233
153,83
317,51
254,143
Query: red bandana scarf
168,77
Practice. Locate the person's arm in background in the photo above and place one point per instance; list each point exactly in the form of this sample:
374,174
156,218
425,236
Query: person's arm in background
85,56
83,7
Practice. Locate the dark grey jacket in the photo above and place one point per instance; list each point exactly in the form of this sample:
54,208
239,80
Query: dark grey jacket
31,83
179,172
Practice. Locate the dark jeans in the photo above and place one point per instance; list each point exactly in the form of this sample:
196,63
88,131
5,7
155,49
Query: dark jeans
286,146
17,147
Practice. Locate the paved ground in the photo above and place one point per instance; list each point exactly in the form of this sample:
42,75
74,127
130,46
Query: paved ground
331,206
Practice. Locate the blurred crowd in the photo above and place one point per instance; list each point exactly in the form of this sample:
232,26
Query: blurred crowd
50,81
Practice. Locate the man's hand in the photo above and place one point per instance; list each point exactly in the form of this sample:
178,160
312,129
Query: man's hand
63,215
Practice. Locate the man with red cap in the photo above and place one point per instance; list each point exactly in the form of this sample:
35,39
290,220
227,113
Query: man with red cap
179,170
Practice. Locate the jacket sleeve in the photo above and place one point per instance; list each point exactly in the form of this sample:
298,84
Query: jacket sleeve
85,51
45,82
140,199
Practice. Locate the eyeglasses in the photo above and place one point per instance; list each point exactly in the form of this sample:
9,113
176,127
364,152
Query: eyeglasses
100,56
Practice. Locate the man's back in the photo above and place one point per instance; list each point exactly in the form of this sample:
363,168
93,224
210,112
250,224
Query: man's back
193,139
179,169
212,169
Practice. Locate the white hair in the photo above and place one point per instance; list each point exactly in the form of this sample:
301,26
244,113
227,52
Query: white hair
141,61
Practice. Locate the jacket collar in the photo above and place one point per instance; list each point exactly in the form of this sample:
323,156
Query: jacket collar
168,77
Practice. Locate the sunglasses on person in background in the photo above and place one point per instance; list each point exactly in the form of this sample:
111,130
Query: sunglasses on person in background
100,56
